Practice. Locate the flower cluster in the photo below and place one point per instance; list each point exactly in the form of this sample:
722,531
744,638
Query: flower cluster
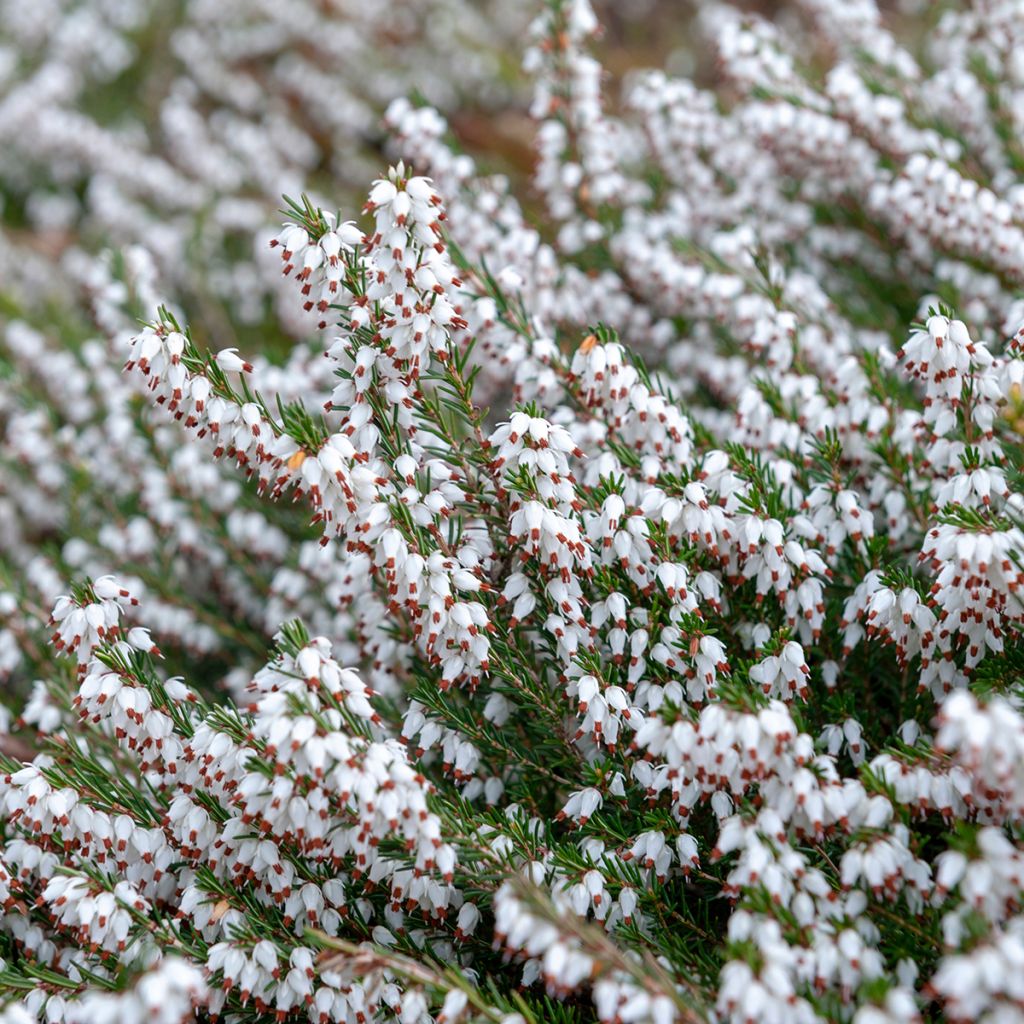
221,824
644,590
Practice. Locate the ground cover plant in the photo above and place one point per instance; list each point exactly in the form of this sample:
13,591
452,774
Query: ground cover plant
443,586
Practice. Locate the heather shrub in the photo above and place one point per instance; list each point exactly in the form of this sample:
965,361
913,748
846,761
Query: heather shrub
607,609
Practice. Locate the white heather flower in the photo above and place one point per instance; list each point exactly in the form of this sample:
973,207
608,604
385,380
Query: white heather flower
645,531
230,361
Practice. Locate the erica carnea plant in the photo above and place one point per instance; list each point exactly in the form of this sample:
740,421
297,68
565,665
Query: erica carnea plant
610,611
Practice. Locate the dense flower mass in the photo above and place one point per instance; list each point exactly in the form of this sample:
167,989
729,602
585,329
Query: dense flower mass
596,597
